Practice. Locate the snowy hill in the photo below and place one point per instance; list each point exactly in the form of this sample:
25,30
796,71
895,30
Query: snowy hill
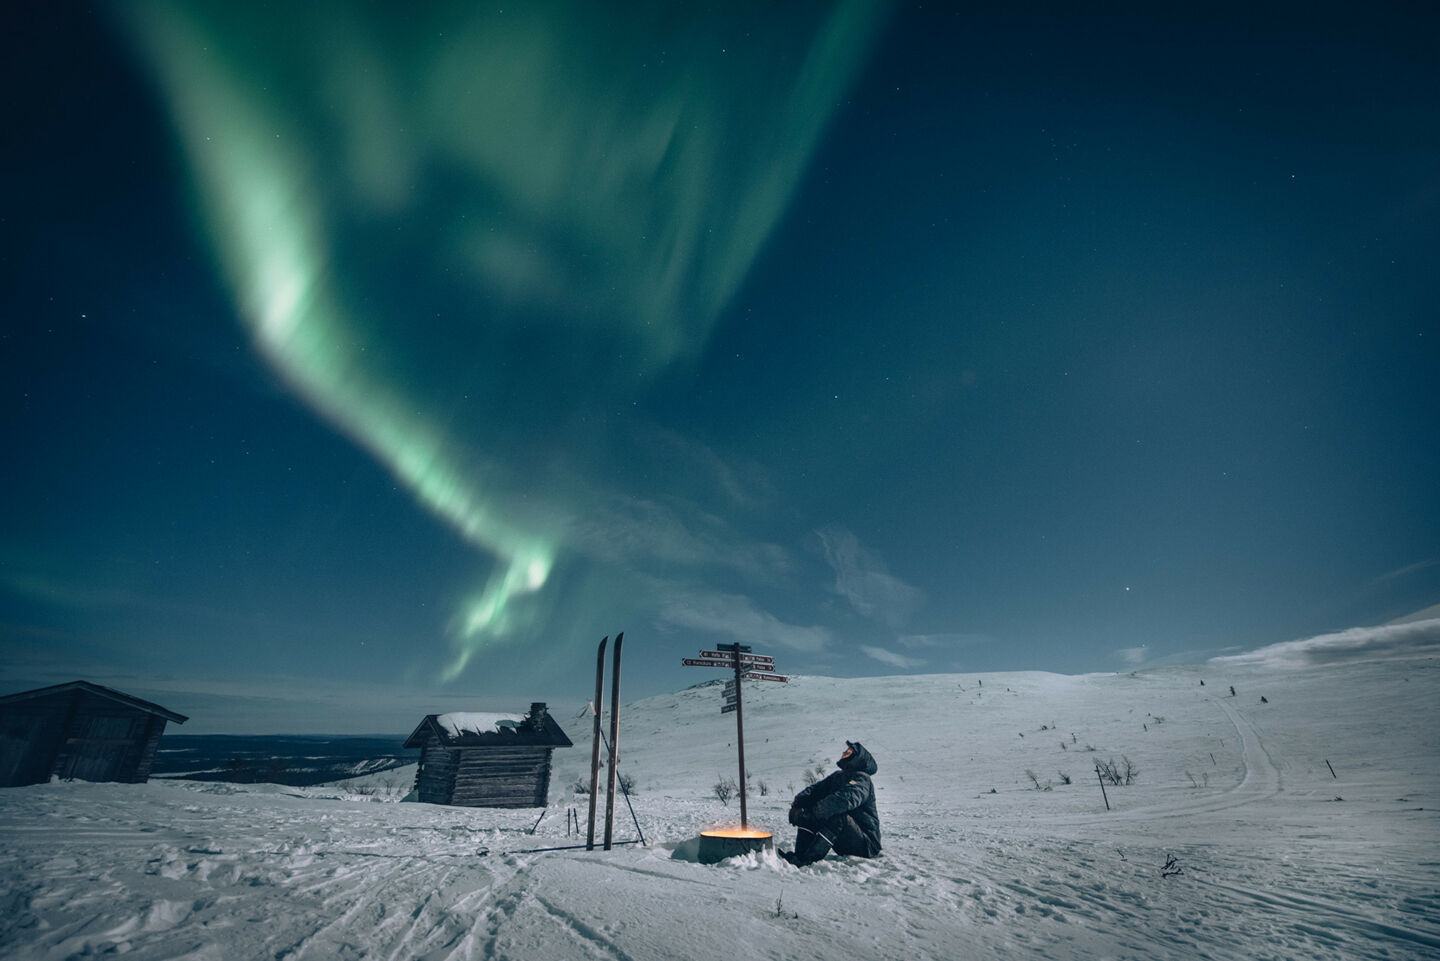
1269,854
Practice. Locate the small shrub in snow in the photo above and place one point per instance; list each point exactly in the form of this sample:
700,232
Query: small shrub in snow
1064,778
581,785
627,783
725,789
1124,772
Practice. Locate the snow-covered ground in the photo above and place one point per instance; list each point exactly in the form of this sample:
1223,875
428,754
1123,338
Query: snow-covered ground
1271,856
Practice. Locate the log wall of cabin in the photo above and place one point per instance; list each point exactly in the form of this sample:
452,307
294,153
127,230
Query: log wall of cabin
503,777
435,779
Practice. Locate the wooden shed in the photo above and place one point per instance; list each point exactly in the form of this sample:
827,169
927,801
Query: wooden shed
476,759
79,730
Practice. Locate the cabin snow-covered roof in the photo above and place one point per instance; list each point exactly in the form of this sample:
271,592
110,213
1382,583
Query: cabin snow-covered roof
459,723
485,729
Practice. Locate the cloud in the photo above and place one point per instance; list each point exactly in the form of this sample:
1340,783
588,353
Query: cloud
1356,644
740,482
861,578
1429,613
737,617
942,640
1406,571
635,531
890,657
1134,655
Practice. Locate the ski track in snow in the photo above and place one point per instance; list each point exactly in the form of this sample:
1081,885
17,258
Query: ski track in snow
1271,864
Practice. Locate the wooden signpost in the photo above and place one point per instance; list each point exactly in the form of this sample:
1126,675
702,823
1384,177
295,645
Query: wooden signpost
756,667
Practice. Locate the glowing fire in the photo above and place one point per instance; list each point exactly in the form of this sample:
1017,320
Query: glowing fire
734,833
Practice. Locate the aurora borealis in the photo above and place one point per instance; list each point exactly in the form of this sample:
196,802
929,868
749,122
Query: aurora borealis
417,350
527,158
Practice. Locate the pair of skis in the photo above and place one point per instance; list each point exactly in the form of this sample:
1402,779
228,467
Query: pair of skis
614,744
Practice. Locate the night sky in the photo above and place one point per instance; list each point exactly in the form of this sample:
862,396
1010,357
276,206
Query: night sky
361,363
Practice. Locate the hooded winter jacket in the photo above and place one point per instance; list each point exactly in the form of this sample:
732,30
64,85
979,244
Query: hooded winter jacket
847,791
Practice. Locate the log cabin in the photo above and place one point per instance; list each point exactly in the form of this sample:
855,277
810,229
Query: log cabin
79,730
476,759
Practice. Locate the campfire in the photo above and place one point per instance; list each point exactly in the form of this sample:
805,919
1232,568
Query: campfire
717,844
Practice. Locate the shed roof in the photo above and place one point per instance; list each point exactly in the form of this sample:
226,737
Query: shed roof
85,686
476,729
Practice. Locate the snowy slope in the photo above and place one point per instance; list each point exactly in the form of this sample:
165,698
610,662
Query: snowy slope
1273,863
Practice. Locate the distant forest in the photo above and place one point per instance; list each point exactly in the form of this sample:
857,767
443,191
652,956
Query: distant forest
295,760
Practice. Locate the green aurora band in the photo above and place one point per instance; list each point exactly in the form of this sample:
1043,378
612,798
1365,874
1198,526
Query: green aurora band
616,178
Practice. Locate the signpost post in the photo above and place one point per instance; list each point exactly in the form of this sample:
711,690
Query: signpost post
758,667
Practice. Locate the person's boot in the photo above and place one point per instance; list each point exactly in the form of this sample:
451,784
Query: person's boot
810,846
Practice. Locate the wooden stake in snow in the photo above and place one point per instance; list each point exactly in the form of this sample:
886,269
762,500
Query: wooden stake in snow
1101,779
1332,770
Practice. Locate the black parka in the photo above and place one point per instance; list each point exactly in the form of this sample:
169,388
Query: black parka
847,791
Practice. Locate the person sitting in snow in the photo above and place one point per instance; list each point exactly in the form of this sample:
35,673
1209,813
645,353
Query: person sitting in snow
838,812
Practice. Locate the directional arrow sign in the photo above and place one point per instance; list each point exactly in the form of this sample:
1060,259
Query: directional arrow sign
696,662
763,659
728,708
754,675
